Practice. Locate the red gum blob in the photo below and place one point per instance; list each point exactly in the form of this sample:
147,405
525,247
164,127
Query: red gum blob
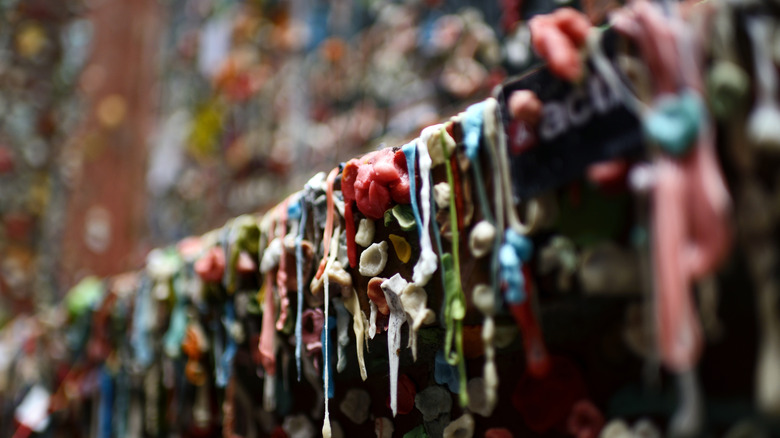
377,296
574,24
211,265
525,105
348,178
585,420
350,232
546,402
376,181
556,37
609,174
536,356
406,393
372,183
498,433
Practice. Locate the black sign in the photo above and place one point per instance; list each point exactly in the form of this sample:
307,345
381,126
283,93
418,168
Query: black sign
581,124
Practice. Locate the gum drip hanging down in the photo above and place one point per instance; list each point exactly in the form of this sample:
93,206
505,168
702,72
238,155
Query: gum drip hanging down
328,232
455,309
299,278
391,289
281,273
489,304
326,430
426,265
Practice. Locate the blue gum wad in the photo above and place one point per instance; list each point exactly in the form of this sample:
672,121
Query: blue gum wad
472,129
446,374
515,250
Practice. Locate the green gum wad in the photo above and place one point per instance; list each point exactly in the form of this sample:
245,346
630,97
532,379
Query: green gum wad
403,214
417,432
83,296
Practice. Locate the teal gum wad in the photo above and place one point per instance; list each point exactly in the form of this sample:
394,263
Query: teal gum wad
515,250
673,124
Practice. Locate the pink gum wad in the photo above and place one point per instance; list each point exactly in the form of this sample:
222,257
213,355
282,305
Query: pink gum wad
375,181
557,36
211,265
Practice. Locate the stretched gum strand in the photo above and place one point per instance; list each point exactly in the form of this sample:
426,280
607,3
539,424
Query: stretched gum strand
457,190
266,346
690,216
490,128
268,330
426,265
638,24
505,188
397,319
281,273
692,238
456,295
491,138
299,281
690,219
328,232
473,150
326,366
410,152
537,357
225,369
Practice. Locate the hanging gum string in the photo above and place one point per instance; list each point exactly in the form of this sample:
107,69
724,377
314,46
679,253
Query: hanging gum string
689,219
457,192
456,298
229,410
328,232
105,413
224,371
490,374
536,357
437,233
326,430
426,264
143,310
502,168
390,289
228,274
691,201
491,134
472,122
409,151
299,280
281,272
267,331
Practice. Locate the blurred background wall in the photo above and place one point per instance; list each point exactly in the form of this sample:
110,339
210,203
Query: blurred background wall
127,125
